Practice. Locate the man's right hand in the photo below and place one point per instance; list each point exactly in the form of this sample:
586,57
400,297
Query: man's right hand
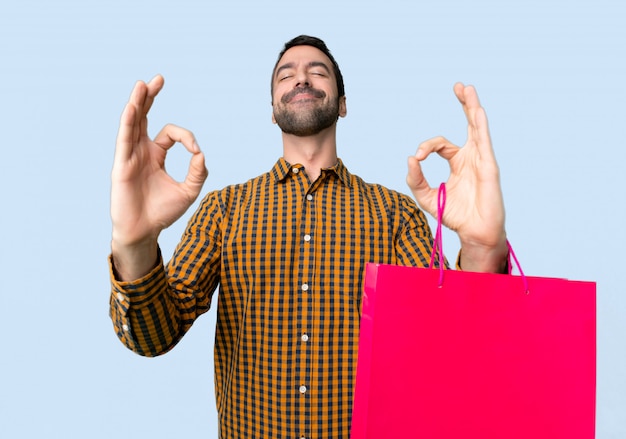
144,198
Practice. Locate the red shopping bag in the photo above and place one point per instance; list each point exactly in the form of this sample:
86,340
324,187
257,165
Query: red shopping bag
451,354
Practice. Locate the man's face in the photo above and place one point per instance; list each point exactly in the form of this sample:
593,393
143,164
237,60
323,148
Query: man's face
305,99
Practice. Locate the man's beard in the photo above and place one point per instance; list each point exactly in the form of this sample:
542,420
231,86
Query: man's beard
306,121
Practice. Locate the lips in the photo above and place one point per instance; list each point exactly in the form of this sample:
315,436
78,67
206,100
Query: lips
307,91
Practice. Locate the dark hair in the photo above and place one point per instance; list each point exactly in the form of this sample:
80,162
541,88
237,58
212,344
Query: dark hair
306,40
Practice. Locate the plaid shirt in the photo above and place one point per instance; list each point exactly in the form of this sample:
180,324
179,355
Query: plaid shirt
288,255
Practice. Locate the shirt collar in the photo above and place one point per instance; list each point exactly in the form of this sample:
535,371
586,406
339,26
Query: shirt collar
282,169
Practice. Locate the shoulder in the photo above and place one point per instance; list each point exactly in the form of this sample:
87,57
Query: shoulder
237,192
379,192
389,203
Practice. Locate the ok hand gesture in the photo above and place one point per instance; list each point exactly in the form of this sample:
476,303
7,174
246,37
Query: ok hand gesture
144,198
474,206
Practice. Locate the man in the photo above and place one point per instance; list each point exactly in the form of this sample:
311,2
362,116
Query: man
287,248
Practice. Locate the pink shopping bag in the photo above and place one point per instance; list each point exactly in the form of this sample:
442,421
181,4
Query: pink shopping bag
451,354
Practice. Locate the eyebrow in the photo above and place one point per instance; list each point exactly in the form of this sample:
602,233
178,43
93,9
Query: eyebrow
311,64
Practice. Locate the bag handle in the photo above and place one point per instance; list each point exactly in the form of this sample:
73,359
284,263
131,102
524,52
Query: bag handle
438,241
437,251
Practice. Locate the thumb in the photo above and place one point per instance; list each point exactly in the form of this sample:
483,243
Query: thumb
415,179
197,173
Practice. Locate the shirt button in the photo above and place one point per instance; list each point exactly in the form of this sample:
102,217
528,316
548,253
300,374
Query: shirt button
309,197
120,297
305,287
125,327
305,337
295,170
307,238
302,389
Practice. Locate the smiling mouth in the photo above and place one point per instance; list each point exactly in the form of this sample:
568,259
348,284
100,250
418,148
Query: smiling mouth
302,95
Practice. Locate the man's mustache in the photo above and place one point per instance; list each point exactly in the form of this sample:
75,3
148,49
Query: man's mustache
299,90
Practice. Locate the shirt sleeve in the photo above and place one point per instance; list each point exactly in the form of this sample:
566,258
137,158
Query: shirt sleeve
137,329
150,315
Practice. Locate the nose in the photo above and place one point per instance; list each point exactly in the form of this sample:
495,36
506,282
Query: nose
302,79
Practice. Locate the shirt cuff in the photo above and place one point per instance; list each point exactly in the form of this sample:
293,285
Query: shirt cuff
140,291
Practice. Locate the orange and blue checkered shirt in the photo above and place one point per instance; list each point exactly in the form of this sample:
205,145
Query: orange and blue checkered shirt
288,255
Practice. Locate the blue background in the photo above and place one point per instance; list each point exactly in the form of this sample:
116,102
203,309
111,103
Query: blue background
549,73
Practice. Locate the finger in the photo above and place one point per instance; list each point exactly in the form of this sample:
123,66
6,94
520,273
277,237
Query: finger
196,175
478,127
439,145
171,134
468,98
144,100
154,86
137,99
482,136
126,134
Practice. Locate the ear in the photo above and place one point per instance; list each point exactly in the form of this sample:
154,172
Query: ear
273,118
343,109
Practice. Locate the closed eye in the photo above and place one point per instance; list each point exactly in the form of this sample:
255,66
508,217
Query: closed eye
317,68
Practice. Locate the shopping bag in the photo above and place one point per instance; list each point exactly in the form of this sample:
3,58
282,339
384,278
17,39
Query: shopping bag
452,354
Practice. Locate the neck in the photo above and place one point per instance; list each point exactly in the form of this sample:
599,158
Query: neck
313,152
